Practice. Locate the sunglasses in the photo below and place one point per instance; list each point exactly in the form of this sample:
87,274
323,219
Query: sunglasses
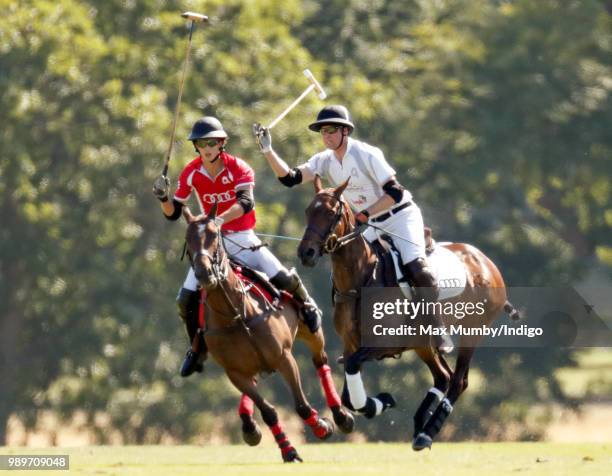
206,142
329,129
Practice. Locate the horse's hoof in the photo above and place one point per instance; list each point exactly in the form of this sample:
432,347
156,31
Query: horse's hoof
252,438
292,456
387,400
251,434
330,428
422,441
344,420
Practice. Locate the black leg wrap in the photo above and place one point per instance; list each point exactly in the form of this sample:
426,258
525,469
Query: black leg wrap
352,365
369,411
279,438
269,417
303,411
434,425
425,411
387,400
346,399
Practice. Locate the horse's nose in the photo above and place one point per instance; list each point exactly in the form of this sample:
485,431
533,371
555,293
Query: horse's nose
308,256
204,275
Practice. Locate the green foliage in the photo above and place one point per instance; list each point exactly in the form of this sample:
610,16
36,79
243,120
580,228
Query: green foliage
495,114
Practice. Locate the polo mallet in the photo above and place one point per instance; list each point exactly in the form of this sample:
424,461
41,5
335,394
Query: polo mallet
194,17
314,84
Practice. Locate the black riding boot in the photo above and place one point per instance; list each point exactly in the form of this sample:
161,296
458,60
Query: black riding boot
426,288
188,303
290,281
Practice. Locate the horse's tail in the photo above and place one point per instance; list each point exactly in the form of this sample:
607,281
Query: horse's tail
512,311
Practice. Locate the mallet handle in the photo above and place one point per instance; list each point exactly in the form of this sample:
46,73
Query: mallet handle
291,106
178,101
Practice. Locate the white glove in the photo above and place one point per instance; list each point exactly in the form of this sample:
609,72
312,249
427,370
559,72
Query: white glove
263,137
219,221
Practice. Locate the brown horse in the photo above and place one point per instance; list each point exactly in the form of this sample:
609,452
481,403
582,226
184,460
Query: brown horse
248,335
329,219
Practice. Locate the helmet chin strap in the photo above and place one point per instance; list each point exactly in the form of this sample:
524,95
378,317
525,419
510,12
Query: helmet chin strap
341,140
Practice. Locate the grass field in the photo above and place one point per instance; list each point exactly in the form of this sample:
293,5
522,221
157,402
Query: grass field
452,459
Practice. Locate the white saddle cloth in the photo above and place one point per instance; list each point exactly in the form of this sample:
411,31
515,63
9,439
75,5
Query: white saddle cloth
448,270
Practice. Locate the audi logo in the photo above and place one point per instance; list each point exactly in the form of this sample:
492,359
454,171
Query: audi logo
217,197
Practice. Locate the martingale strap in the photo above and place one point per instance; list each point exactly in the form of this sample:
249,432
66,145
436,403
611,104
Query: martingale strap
341,297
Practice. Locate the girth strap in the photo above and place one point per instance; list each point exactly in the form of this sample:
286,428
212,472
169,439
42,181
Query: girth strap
343,297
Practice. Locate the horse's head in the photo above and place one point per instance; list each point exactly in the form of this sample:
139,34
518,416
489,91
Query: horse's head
205,249
324,223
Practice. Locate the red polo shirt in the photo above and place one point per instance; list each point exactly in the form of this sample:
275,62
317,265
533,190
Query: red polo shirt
220,189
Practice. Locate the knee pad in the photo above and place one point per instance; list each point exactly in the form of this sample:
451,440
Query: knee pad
287,280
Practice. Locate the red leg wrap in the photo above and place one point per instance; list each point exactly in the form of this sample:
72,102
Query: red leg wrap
281,440
246,406
327,383
313,422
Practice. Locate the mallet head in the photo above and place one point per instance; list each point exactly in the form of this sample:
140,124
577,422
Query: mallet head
193,16
320,92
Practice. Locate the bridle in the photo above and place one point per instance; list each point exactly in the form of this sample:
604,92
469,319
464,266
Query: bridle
218,262
220,271
328,241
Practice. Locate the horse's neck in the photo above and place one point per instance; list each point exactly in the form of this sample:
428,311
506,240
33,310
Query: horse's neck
218,300
353,264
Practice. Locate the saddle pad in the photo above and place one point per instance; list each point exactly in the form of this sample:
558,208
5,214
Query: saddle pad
449,271
253,286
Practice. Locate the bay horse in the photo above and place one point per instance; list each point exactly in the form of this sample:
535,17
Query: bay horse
329,219
247,335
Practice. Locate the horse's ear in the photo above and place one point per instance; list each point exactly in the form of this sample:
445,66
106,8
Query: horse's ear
213,211
338,191
187,215
317,183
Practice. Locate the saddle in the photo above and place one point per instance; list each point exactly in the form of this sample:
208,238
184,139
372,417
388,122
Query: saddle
387,272
257,283
389,267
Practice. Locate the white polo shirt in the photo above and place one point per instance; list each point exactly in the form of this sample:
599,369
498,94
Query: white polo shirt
364,164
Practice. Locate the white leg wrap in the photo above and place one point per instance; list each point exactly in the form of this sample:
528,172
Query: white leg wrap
357,393
379,406
447,405
437,392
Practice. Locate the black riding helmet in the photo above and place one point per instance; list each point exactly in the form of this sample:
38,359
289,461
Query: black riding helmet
334,115
208,127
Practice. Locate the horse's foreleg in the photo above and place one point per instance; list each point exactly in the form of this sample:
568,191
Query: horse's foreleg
458,384
248,387
321,427
438,368
354,395
343,419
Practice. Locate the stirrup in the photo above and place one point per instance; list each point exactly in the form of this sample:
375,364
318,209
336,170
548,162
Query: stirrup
444,344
